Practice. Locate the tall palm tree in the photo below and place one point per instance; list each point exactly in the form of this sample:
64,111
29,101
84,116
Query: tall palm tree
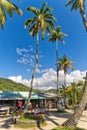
64,63
73,120
55,36
42,21
79,5
7,7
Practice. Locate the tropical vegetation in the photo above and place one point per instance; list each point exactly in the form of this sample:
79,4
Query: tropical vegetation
73,92
73,120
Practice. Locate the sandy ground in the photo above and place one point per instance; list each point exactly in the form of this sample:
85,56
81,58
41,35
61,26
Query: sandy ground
53,119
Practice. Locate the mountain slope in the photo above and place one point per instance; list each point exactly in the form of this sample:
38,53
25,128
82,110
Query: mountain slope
9,85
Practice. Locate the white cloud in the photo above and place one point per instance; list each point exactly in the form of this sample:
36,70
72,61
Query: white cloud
18,79
26,56
21,51
48,79
41,71
23,60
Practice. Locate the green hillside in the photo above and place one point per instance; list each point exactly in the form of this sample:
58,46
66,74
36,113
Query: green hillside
9,85
51,91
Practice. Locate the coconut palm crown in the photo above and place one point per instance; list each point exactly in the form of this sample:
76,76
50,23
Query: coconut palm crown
57,34
65,63
43,20
76,4
7,7
81,6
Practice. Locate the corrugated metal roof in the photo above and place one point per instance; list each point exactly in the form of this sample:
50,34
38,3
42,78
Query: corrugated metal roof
19,95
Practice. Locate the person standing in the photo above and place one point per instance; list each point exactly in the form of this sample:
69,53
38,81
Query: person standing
19,107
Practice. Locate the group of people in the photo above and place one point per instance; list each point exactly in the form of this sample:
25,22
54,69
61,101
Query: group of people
32,107
22,106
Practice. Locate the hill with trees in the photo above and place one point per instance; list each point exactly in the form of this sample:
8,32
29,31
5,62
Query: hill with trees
9,85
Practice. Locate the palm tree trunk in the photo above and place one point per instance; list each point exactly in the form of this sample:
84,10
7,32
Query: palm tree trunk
75,98
73,120
64,89
34,71
57,69
82,11
57,66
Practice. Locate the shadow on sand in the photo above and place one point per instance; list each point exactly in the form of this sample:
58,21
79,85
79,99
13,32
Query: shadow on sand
5,122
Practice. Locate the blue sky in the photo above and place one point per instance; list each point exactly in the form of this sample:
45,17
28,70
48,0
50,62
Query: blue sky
17,47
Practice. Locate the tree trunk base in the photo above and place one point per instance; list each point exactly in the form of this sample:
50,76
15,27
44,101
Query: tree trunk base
70,122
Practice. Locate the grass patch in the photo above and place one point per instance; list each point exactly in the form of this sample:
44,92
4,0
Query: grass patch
23,118
67,128
44,123
24,126
28,120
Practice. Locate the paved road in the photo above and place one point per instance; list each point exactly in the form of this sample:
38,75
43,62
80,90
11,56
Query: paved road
53,119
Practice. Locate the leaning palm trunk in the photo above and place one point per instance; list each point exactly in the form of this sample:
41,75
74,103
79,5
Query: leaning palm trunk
73,120
83,16
34,72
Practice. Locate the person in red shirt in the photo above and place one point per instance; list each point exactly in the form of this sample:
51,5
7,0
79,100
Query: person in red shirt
19,107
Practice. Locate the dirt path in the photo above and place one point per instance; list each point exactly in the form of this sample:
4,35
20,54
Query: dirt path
53,119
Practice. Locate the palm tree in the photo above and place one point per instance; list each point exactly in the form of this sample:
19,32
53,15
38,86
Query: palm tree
79,5
7,7
73,120
43,21
55,36
74,89
64,63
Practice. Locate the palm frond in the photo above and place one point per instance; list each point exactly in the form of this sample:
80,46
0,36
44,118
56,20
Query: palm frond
49,23
33,9
48,9
51,39
50,16
2,18
10,8
69,2
29,22
7,7
43,7
75,5
33,31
